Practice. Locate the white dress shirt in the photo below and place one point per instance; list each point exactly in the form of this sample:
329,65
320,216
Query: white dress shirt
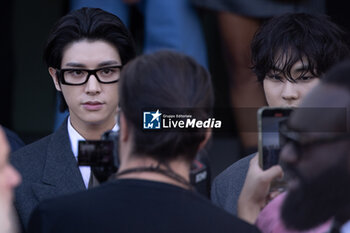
345,228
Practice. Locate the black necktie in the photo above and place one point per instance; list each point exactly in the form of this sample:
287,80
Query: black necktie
335,228
93,182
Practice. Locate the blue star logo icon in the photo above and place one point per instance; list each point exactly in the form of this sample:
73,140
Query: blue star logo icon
151,120
156,115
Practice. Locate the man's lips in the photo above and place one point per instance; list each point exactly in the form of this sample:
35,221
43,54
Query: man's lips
93,105
293,180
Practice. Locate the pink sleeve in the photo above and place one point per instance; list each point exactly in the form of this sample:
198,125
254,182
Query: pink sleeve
269,220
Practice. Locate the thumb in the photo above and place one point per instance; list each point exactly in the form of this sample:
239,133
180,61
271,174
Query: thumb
273,173
254,161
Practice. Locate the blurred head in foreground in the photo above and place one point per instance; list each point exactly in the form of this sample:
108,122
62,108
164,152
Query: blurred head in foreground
317,154
9,179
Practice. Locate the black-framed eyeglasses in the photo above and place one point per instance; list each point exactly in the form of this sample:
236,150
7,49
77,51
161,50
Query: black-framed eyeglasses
75,77
300,141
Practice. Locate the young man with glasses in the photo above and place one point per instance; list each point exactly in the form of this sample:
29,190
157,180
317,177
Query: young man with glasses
152,192
85,52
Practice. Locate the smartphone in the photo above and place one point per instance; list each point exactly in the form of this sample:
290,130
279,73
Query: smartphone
269,119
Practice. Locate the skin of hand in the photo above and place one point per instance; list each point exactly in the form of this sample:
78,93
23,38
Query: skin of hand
255,193
9,178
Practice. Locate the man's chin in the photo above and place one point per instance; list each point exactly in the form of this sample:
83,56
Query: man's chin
299,213
313,202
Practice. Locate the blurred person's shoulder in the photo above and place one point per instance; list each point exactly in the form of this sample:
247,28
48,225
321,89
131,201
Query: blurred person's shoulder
125,201
237,169
228,184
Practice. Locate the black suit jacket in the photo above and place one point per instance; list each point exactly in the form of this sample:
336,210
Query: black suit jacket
14,140
48,170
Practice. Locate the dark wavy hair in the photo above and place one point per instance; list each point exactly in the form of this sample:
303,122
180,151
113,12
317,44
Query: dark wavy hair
289,38
165,80
91,24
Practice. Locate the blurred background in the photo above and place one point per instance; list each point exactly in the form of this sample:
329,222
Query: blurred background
27,92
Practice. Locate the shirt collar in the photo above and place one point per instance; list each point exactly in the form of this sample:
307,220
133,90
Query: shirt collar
75,137
345,228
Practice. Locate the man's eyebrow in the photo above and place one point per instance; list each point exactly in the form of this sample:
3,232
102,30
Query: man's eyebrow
108,63
302,69
101,64
74,64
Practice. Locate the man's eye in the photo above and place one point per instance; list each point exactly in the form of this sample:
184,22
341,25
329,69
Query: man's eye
275,77
107,71
305,78
76,72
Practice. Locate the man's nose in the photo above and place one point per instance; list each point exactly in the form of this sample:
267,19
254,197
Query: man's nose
93,86
289,154
290,91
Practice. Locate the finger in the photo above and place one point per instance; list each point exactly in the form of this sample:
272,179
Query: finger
273,195
254,160
272,173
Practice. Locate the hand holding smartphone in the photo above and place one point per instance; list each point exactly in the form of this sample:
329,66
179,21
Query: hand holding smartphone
269,120
269,145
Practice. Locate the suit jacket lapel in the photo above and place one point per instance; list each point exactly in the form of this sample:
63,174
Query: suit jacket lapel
61,173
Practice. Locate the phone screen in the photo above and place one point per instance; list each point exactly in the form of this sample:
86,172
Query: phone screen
269,120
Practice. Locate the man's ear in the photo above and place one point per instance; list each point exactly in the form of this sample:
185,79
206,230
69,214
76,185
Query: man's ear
54,77
205,140
124,128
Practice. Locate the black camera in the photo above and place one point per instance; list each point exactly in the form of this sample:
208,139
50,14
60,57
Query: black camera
102,157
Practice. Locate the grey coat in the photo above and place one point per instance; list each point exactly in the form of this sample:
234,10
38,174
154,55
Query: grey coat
48,170
227,186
